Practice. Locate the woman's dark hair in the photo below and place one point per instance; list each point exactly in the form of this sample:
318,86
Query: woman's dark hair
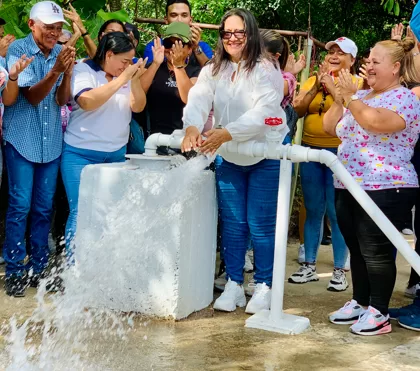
359,60
116,42
275,43
253,50
105,25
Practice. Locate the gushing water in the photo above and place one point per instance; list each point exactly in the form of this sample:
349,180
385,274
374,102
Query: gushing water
66,328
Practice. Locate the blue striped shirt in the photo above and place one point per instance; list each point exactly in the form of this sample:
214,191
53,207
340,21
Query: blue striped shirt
35,131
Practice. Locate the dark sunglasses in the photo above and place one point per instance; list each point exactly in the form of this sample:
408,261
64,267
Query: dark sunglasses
167,43
226,35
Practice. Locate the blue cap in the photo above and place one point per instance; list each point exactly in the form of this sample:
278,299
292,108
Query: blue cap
415,21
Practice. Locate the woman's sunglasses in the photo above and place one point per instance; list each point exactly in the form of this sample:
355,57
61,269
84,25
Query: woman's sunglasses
226,35
167,43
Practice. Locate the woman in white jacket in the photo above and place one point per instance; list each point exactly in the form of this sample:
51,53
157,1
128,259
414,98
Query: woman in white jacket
245,89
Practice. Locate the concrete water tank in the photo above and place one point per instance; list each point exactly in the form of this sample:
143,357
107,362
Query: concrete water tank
146,236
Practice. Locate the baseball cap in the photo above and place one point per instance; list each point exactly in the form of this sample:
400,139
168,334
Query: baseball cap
345,44
47,12
179,30
415,21
2,22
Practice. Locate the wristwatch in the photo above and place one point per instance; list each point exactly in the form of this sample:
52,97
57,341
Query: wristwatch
352,98
198,50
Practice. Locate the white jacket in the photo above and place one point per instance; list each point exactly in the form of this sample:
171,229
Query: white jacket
241,106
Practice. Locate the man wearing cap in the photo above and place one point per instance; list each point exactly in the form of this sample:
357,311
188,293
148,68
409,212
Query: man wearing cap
173,77
33,143
180,11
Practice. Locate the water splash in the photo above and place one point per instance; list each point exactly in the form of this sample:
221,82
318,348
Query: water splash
66,328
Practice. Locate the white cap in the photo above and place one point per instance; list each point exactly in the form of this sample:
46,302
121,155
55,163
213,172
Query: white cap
345,44
47,12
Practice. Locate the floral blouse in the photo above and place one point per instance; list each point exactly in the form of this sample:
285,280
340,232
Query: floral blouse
381,161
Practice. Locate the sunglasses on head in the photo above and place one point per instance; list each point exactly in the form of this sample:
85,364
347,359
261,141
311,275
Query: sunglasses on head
226,35
167,43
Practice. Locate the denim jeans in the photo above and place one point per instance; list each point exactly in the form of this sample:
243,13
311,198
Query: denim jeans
319,197
372,254
247,197
31,191
72,163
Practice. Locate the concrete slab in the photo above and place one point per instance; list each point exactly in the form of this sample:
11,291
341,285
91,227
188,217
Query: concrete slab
217,341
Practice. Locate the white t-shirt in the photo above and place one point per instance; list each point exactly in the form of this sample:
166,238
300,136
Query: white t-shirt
105,129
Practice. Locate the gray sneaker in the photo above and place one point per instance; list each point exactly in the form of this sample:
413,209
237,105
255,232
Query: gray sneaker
306,273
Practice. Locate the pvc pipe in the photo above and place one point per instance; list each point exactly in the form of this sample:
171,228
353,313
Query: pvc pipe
162,140
297,153
280,252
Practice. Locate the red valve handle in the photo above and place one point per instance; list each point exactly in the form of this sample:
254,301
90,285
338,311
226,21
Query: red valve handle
273,121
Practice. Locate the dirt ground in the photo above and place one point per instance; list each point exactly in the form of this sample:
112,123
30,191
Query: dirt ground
210,340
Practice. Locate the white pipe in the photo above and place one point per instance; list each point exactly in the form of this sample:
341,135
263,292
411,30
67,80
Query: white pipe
162,140
280,252
297,153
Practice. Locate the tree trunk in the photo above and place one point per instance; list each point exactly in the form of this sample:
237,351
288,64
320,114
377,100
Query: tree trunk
115,5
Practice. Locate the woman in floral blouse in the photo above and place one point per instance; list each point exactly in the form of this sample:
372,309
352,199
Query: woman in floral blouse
378,129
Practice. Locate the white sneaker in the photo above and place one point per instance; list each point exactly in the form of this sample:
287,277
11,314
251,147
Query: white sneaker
232,297
347,315
306,273
347,264
1,260
372,322
250,288
301,254
338,281
220,282
410,292
249,265
260,300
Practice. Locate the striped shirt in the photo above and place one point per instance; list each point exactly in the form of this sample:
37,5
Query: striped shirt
35,131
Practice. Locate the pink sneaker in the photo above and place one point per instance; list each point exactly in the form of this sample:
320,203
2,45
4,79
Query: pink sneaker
372,322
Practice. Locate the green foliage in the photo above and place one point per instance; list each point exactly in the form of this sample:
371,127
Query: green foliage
364,21
88,8
121,15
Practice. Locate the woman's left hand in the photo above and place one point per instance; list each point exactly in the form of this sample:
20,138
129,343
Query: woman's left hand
347,86
178,54
215,138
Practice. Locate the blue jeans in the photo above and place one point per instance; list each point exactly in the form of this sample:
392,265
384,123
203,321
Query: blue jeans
319,197
31,190
72,163
247,197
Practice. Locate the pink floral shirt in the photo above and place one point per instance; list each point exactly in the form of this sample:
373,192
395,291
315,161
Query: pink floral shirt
381,161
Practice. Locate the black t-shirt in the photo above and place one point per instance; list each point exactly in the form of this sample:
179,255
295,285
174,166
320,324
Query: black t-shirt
164,102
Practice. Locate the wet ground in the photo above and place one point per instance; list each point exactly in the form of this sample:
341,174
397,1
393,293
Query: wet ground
210,340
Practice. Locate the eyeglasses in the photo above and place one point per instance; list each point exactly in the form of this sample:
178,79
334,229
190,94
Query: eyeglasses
168,43
239,34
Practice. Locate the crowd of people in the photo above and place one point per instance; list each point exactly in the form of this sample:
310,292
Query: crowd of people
60,114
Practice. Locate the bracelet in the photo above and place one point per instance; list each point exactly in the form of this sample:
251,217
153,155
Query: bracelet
85,34
10,79
179,67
